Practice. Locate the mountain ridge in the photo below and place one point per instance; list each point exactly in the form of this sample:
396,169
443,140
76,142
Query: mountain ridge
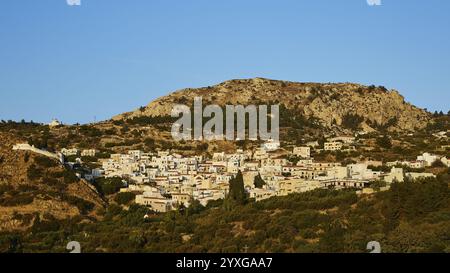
330,103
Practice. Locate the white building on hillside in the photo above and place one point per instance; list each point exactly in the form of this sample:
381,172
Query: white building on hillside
89,152
428,158
69,152
304,152
271,145
396,175
333,146
343,139
54,123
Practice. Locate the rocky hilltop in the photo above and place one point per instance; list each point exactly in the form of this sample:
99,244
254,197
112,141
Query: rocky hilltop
330,103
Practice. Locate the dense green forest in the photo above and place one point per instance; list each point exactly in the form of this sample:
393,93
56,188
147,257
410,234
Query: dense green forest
410,217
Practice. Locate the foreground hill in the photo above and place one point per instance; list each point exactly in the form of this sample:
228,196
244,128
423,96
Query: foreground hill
411,217
342,104
35,189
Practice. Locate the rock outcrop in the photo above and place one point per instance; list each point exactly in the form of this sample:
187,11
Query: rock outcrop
330,103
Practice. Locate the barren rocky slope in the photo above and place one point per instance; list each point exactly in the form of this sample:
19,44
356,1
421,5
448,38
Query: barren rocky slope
330,103
35,188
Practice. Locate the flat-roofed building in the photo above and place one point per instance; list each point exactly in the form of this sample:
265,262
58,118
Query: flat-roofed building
333,146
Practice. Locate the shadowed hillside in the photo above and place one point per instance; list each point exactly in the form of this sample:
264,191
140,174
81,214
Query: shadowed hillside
35,189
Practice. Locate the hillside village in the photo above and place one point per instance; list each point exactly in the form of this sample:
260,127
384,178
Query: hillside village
224,133
125,185
164,181
321,149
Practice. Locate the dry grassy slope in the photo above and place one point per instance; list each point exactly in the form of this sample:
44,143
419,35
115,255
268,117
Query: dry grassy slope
47,197
326,102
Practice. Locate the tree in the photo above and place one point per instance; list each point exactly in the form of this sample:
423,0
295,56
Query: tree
108,186
150,143
237,190
34,173
259,182
15,244
438,164
195,207
70,177
352,121
182,208
384,142
124,198
333,239
321,141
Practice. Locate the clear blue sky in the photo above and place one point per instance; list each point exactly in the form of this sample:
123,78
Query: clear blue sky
105,57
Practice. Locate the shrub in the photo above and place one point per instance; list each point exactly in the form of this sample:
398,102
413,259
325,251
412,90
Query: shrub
259,182
124,198
438,164
69,177
4,188
18,200
384,142
26,158
45,162
83,206
50,224
352,121
108,186
34,173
